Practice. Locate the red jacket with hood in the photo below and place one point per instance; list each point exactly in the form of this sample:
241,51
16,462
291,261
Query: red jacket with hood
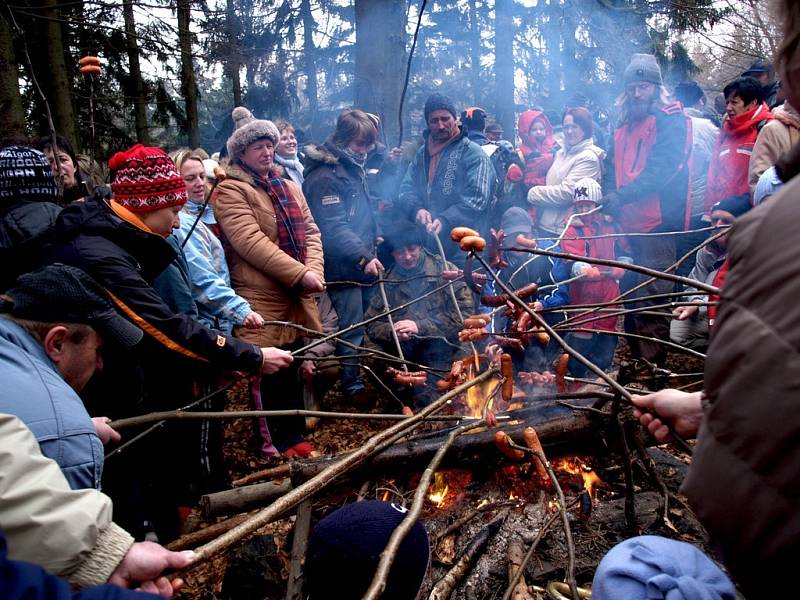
730,161
538,156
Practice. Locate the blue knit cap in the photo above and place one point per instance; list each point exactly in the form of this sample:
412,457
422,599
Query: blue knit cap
345,548
655,568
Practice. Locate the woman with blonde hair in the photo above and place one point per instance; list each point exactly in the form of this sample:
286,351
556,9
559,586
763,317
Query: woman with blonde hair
275,256
218,305
286,154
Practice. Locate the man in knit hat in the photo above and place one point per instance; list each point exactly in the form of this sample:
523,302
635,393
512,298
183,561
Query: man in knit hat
120,243
646,186
28,194
450,181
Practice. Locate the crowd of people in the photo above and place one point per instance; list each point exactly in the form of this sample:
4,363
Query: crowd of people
152,290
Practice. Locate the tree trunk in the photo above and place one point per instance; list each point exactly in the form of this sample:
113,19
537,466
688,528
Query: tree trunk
310,65
188,83
12,116
57,75
504,65
475,54
380,60
136,84
234,63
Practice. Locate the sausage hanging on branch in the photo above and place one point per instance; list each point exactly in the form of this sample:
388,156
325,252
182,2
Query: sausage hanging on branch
459,233
507,371
503,443
414,378
561,372
472,242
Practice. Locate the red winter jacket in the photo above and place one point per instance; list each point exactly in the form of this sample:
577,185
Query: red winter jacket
599,290
648,167
537,156
730,161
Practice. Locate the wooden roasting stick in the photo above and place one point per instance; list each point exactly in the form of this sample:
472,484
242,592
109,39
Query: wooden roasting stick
304,491
613,384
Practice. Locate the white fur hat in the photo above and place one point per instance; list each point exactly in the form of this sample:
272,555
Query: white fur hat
246,130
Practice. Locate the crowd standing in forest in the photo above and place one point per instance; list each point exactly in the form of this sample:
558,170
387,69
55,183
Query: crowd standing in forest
164,283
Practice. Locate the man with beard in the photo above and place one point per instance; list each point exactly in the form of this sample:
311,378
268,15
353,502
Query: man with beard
450,181
646,183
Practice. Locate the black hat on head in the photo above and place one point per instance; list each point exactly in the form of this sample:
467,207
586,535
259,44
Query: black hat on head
63,294
345,548
736,205
437,101
758,66
404,233
688,93
474,118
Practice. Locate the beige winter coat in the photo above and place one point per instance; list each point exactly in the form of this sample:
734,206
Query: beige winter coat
553,201
262,273
67,532
775,139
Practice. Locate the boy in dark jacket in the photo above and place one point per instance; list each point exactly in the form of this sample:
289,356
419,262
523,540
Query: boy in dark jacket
335,187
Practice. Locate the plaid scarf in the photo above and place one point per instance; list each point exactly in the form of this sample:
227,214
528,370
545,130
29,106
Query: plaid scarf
288,216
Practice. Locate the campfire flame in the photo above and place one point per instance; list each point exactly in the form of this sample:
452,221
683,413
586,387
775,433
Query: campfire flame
575,466
478,395
438,490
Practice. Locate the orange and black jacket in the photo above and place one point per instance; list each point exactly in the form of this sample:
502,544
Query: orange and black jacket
124,259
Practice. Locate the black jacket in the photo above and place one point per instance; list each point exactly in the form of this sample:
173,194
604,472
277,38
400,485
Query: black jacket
124,260
336,191
21,224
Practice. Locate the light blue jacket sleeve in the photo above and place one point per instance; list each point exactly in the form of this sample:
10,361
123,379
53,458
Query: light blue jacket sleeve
210,277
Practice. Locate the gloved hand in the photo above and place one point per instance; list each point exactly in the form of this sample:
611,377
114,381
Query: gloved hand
612,204
514,174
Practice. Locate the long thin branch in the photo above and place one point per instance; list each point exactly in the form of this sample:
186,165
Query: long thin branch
569,349
622,265
669,269
636,336
331,473
529,554
336,334
388,309
562,509
257,414
399,534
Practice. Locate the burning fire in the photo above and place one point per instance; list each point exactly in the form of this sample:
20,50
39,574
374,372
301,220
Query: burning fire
575,466
478,395
438,490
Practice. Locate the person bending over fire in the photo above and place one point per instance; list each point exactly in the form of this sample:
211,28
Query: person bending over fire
427,330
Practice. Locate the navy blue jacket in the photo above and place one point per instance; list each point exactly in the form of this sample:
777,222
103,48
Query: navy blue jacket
336,191
26,581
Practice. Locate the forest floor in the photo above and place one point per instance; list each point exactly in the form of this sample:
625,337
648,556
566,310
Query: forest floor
259,568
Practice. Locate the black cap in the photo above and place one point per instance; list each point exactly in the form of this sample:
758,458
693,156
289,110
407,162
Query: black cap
63,294
494,127
759,66
474,118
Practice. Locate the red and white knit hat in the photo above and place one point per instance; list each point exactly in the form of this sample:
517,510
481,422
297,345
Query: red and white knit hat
146,179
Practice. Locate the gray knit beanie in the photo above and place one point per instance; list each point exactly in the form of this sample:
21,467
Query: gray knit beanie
643,67
246,130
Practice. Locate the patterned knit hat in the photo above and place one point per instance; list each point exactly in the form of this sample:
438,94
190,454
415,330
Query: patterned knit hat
146,179
246,130
25,175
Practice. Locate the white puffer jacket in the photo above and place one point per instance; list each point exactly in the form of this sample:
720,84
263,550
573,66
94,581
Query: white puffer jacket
553,200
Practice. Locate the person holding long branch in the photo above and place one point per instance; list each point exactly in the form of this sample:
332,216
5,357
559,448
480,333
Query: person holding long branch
275,257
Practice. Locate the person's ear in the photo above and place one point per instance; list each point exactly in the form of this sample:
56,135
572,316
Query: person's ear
54,341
